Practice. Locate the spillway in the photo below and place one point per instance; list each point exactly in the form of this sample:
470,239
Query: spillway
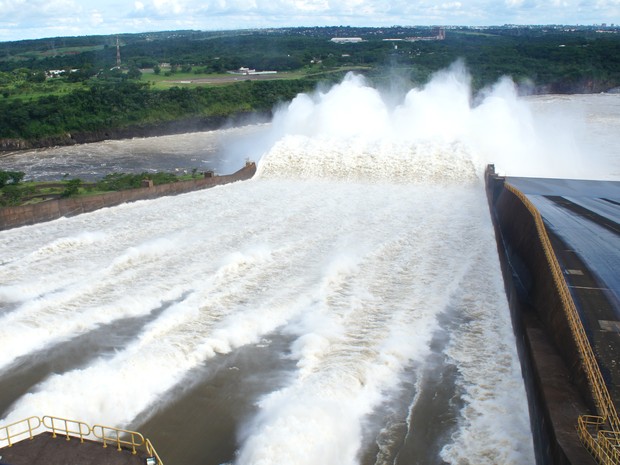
372,290
344,306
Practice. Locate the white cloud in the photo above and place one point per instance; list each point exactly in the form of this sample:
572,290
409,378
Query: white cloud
603,4
169,6
45,18
96,18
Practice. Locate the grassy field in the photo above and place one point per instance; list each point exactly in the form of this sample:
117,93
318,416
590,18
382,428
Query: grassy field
33,91
58,86
162,81
52,51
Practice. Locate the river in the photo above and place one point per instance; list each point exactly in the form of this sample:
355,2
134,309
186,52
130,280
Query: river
345,306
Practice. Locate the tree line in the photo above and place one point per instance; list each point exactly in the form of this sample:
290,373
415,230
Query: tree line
95,95
126,103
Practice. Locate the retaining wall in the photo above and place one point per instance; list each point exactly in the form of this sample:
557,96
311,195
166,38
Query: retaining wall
557,385
12,217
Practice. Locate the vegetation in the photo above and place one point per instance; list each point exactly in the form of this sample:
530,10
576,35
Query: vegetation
121,181
10,178
16,192
121,104
72,188
53,88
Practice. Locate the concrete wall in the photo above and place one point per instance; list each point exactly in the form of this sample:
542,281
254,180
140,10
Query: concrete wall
557,386
12,217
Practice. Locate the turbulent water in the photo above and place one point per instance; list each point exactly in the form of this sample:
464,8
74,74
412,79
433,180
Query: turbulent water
219,151
345,306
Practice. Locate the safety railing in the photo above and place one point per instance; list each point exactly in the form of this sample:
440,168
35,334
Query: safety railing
120,437
15,431
604,445
67,428
70,429
153,455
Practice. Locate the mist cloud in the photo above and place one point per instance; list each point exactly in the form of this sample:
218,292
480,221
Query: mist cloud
440,125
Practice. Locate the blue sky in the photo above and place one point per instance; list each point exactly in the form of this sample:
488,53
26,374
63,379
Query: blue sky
30,19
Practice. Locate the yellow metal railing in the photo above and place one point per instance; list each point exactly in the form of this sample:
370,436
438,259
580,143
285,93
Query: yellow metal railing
18,429
150,450
602,444
66,427
120,437
600,434
15,432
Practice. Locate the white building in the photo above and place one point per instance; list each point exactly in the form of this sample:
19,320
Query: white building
347,40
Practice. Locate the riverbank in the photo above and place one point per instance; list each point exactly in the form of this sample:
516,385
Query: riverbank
13,217
182,126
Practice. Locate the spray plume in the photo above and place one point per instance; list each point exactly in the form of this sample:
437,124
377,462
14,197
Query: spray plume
433,130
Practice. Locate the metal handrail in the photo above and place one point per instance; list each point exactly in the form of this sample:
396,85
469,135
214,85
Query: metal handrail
605,447
152,452
68,428
136,439
9,430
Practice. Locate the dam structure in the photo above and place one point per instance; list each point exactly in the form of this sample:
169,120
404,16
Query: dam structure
560,244
344,306
324,311
548,232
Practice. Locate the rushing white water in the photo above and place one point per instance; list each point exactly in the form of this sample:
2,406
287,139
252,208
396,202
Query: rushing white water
359,272
364,238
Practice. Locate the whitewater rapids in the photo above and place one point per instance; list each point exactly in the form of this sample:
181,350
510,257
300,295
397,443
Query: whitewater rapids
375,260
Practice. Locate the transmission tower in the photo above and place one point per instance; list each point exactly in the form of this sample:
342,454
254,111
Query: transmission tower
118,54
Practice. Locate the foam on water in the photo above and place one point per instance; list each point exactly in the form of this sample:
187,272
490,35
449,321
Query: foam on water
301,157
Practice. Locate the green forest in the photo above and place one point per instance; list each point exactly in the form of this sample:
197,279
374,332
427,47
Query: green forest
63,86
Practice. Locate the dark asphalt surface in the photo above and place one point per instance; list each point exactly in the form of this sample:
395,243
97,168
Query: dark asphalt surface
594,237
582,220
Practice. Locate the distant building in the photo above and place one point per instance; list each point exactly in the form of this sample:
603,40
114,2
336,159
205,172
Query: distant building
52,73
251,72
347,40
440,34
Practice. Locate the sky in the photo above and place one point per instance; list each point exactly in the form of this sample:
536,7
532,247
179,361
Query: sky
32,19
